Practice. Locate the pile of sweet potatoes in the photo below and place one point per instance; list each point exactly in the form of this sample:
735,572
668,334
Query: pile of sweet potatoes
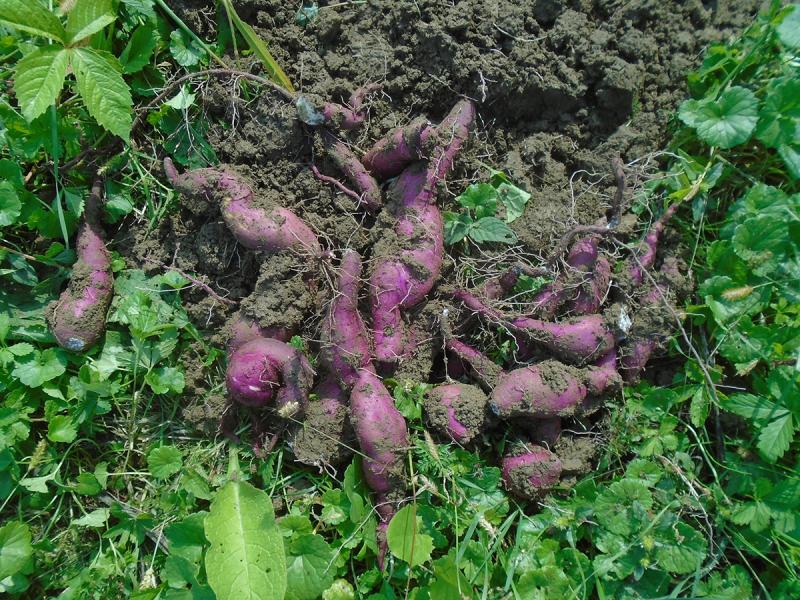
580,336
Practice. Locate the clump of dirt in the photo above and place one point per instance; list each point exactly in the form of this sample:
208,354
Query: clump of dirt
577,453
205,413
325,437
469,409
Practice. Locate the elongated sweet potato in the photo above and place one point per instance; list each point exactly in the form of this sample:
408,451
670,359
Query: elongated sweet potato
338,116
243,329
531,472
457,410
345,343
592,291
267,228
366,187
400,147
78,318
646,251
264,370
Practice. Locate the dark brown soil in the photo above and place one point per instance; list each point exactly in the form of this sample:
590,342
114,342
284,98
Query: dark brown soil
561,87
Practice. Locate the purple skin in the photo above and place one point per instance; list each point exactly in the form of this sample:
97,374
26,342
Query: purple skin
265,369
487,371
270,230
499,287
243,329
383,437
534,471
647,248
578,340
581,257
365,185
448,396
77,319
401,146
591,293
402,281
527,392
345,342
450,135
603,376
351,116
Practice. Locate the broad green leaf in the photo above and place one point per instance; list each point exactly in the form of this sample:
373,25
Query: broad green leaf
724,122
762,242
514,199
184,49
779,117
103,90
755,514
246,560
34,369
789,29
164,380
61,428
492,229
728,300
480,198
39,77
164,461
405,539
187,537
791,158
698,409
97,518
684,554
776,436
182,100
86,484
10,206
456,227
258,47
756,408
139,49
15,548
309,568
88,17
31,16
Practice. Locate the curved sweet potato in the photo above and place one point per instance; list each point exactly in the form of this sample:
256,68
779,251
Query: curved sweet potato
401,146
263,370
528,474
457,410
243,329
78,318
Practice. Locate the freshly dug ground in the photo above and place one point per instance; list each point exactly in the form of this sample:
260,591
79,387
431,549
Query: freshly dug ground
561,87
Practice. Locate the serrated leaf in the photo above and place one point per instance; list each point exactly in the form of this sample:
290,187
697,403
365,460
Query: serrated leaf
15,548
36,368
779,116
308,567
480,198
405,539
724,122
139,49
31,17
246,560
10,206
789,29
492,229
754,407
88,17
762,241
39,77
164,461
184,49
103,90
456,227
698,409
685,553
791,158
775,438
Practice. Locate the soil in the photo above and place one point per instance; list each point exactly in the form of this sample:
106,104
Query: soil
561,87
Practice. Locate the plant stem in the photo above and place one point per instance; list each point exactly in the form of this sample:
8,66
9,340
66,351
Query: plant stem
185,28
54,141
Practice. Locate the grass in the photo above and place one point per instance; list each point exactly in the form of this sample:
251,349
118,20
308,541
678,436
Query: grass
104,487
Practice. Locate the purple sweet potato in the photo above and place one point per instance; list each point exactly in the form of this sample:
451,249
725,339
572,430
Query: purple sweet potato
581,258
528,474
578,340
268,228
400,147
78,318
457,410
265,370
383,438
487,371
603,376
345,342
546,389
447,140
591,292
646,251
243,329
368,190
325,437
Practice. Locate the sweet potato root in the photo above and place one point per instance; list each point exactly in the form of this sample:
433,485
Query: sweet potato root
457,410
345,342
645,254
78,318
365,185
268,228
263,370
243,329
528,474
401,146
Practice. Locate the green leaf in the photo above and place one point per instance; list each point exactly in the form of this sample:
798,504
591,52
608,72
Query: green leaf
246,560
779,116
97,518
164,461
15,548
309,568
88,17
182,100
728,302
61,428
685,553
724,122
86,484
31,16
791,157
139,49
185,50
187,537
775,438
480,198
405,539
762,242
165,379
698,409
456,227
514,199
103,90
753,407
10,206
492,229
36,368
789,29
39,77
